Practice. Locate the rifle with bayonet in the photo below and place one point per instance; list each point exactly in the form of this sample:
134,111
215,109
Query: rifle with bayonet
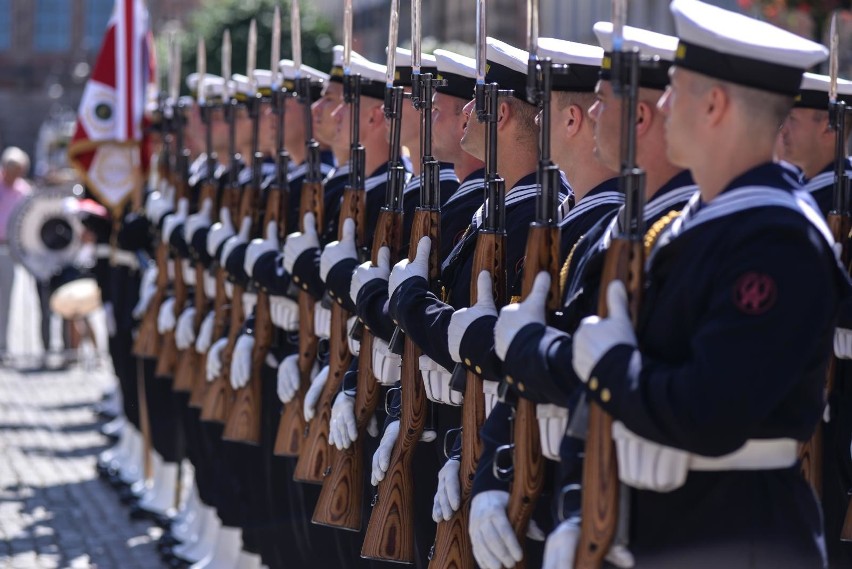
452,545
542,254
315,456
188,359
167,357
625,262
339,503
390,531
218,398
245,419
292,427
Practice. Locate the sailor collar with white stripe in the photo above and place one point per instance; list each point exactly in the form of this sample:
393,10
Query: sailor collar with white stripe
526,189
825,178
379,177
301,170
767,185
267,168
447,174
604,193
337,172
198,170
474,182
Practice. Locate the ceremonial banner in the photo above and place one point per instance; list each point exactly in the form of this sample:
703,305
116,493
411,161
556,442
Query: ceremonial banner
108,149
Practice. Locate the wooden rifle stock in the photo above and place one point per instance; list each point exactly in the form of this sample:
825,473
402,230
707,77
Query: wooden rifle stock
148,341
453,549
339,503
542,254
292,426
244,421
315,457
222,311
624,262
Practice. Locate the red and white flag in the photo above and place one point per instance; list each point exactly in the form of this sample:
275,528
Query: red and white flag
108,149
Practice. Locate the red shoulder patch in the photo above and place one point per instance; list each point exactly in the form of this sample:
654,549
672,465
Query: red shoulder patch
755,293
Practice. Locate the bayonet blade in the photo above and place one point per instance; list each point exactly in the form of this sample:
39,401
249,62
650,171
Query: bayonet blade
416,35
532,28
481,31
226,63
833,59
347,36
251,55
174,69
619,19
275,56
393,33
296,33
201,64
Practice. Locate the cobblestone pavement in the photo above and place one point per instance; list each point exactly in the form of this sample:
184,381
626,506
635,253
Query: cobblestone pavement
54,511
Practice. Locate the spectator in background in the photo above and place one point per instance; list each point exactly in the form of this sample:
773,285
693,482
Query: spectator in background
14,165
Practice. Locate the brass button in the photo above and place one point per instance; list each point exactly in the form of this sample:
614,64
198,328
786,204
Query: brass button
467,362
296,279
367,328
478,370
593,384
521,387
605,395
339,301
510,380
304,286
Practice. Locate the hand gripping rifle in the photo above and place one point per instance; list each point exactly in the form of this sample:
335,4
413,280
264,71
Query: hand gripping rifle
292,428
542,254
167,358
147,342
390,532
811,452
188,359
245,420
218,398
625,262
315,458
339,503
452,544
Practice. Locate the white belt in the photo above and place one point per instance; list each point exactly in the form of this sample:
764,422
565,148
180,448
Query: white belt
117,256
756,454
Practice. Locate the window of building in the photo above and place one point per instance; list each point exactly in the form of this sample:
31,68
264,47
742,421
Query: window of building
52,29
6,25
97,13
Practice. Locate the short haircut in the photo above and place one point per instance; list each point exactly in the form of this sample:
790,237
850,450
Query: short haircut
525,114
565,99
762,107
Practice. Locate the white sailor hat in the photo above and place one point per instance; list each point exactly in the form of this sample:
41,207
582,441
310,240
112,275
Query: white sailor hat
813,91
650,45
404,69
288,76
213,86
373,77
583,61
241,87
337,63
738,49
458,71
507,66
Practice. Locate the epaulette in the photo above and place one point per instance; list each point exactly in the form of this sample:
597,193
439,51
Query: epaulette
656,230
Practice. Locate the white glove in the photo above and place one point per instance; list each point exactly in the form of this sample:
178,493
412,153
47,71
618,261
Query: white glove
354,345
289,377
173,220
197,220
241,361
284,313
249,302
381,458
843,343
366,272
299,242
220,232
234,241
147,290
205,333
561,546
463,318
166,317
596,336
258,247
406,269
491,535
314,392
322,321
646,465
387,366
343,430
214,359
436,381
491,393
337,251
159,204
188,271
515,316
448,497
185,331
209,285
